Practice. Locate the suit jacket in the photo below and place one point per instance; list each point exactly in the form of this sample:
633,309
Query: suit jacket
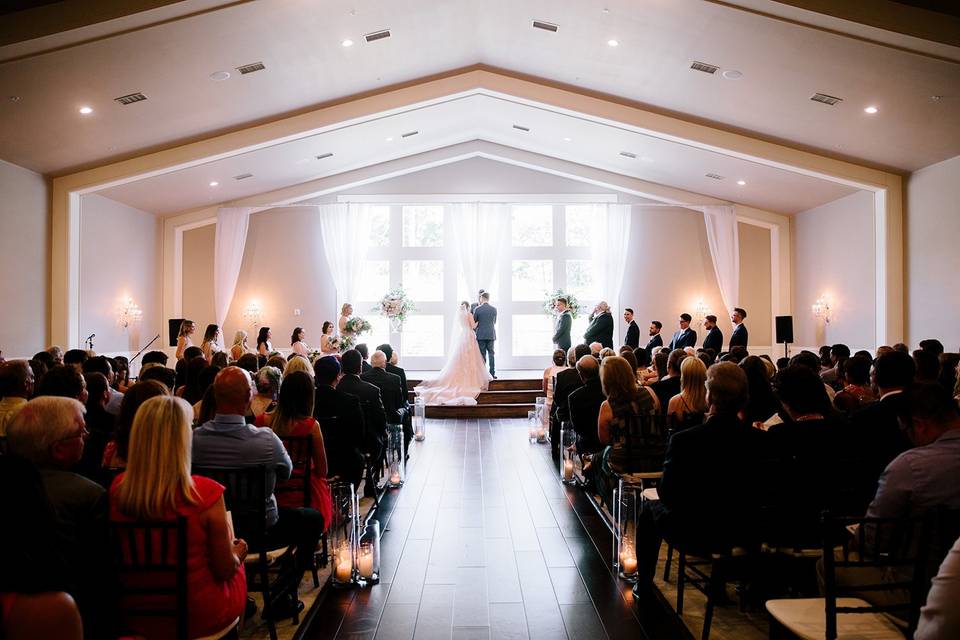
399,372
561,330
714,340
374,416
486,317
874,434
655,342
342,438
632,338
684,338
567,381
666,389
584,404
365,366
739,336
600,330
391,393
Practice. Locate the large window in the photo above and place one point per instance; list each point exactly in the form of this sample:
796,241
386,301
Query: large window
423,279
531,225
423,335
531,279
423,226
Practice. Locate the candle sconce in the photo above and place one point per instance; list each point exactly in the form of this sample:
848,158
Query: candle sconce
821,309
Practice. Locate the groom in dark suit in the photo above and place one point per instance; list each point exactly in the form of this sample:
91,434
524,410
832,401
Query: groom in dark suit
486,317
561,326
685,337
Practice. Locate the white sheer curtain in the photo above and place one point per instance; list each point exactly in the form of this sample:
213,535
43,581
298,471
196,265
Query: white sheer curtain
345,230
608,250
478,229
229,241
722,236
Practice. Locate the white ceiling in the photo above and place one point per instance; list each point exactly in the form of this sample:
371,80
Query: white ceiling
480,117
783,64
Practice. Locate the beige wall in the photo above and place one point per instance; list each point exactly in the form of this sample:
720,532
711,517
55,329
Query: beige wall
932,224
198,274
835,255
24,261
755,279
119,256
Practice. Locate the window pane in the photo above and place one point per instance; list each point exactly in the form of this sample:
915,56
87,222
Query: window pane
532,225
579,218
579,326
379,331
532,279
423,336
532,335
580,279
423,226
375,281
423,279
379,226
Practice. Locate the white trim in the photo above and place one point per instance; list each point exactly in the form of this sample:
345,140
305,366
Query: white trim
510,198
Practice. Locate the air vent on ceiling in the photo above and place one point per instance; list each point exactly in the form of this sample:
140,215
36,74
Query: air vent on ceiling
408,134
377,35
324,155
627,154
250,68
243,176
130,98
825,99
546,26
715,176
706,67
519,127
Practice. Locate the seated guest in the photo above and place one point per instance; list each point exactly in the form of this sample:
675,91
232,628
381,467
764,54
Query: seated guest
267,382
115,453
343,437
157,485
207,376
549,374
692,399
605,352
158,357
838,353
932,345
100,426
707,356
595,349
297,363
949,370
825,361
694,509
47,359
642,358
166,377
277,361
626,424
567,381
56,353
362,350
75,357
228,442
627,354
856,392
809,359
219,360
101,364
374,415
63,382
16,387
192,390
762,403
294,418
49,432
657,369
39,369
240,347
392,359
391,390
667,387
584,404
249,362
928,366
121,374
297,342
940,617
714,338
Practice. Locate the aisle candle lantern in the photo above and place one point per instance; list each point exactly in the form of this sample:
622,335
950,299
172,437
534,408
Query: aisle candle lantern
540,407
396,456
368,554
568,454
625,503
343,533
419,419
532,426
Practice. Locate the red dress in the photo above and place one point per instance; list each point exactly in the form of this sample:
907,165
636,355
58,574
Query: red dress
319,489
212,604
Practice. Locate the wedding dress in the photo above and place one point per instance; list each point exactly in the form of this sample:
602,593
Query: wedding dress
464,375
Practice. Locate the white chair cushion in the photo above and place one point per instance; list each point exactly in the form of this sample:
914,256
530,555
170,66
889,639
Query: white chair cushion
807,618
650,494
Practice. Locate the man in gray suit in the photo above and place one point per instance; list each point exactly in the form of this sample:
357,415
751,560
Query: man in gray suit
486,317
561,326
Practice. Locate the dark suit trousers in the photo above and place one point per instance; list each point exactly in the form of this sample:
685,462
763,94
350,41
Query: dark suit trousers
486,352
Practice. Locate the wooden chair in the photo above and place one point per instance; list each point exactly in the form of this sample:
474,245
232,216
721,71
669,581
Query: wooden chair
300,450
151,561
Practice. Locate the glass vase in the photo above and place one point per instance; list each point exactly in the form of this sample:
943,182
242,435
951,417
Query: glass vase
368,554
395,456
343,533
625,505
533,426
419,419
569,460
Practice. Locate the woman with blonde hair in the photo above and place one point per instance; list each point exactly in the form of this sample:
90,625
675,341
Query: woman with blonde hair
157,485
298,363
692,398
346,311
187,327
240,346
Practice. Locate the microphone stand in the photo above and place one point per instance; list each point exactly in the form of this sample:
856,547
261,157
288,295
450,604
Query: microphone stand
157,337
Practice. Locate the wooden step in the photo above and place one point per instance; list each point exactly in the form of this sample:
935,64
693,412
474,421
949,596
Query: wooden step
480,411
500,397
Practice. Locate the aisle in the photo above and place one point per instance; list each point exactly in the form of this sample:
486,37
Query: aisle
484,542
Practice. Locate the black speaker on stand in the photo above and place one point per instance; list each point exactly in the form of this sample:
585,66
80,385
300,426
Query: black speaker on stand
784,332
173,324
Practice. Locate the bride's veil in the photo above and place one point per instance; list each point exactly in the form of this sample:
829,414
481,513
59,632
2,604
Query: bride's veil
456,330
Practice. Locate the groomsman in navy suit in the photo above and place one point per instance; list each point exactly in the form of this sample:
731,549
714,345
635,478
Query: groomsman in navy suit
632,339
739,336
656,340
685,337
714,338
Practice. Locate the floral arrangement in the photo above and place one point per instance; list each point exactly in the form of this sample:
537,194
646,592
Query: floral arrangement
396,306
344,343
572,303
356,326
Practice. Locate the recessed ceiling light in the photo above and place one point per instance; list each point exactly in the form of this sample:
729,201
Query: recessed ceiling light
568,139
347,43
214,183
219,76
871,110
613,43
934,98
389,139
18,98
741,182
86,110
732,74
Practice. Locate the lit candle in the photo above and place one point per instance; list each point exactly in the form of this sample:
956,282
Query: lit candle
344,569
418,435
567,469
629,564
366,565
395,477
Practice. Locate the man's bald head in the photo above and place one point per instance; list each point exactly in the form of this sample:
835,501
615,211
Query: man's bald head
588,368
378,360
596,348
233,391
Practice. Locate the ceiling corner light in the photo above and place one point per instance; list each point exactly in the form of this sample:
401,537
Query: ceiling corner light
613,43
871,110
86,110
732,74
741,182
389,139
568,139
220,76
214,183
347,43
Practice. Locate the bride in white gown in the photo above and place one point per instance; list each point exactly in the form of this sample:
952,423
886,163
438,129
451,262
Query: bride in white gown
465,374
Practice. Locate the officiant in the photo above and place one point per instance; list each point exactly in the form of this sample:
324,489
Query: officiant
600,328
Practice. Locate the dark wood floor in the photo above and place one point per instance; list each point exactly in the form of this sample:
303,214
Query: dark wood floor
483,541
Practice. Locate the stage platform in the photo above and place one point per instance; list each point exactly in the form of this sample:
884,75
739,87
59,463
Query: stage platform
511,395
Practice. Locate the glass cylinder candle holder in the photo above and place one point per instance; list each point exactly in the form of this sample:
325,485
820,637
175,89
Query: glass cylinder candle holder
395,456
540,407
569,460
419,419
343,533
533,425
368,554
625,505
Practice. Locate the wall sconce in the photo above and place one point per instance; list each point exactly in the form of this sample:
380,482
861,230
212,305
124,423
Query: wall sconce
701,311
821,309
253,313
128,312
